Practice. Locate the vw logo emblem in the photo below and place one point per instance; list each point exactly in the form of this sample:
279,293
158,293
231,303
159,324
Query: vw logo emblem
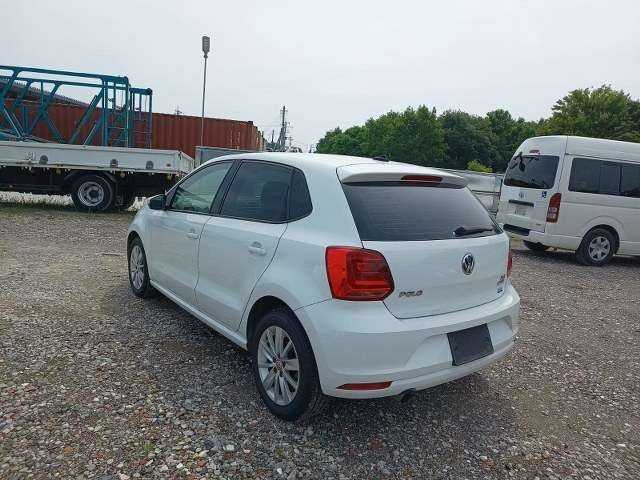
468,262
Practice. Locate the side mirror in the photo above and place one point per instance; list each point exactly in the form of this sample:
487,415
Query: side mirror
157,202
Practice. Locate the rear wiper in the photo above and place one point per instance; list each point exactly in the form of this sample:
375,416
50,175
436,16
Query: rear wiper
465,231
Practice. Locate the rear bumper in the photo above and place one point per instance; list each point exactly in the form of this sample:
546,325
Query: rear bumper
362,342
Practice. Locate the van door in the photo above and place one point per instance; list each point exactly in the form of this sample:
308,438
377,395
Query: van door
529,183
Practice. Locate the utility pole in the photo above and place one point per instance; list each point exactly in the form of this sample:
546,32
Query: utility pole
206,45
282,138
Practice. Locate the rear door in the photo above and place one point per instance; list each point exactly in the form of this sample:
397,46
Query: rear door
529,183
444,250
531,178
238,243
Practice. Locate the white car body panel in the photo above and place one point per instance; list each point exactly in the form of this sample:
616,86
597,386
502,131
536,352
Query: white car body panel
351,341
434,268
579,212
233,256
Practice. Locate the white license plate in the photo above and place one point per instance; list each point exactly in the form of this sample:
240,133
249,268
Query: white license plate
521,210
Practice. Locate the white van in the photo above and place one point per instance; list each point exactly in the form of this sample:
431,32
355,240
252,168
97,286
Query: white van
574,193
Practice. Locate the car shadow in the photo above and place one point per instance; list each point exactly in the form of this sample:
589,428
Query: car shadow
569,257
208,379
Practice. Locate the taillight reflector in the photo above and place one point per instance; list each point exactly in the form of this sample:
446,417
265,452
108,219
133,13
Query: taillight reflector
422,178
365,386
358,274
553,212
510,263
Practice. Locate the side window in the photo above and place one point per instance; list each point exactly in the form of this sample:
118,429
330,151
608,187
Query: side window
585,175
300,200
630,181
259,191
609,179
197,192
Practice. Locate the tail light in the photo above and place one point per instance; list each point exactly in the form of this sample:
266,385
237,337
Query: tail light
510,263
553,212
358,274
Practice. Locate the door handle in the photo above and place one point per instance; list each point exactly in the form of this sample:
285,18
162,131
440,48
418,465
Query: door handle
193,234
256,249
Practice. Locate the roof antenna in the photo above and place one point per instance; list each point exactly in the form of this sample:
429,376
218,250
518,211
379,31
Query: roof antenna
381,158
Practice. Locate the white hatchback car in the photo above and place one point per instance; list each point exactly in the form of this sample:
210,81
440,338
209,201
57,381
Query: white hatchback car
342,276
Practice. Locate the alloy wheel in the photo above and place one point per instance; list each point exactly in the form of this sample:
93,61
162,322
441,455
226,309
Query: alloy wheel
136,267
278,365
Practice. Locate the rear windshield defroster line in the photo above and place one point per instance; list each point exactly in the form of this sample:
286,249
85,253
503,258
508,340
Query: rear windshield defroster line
415,212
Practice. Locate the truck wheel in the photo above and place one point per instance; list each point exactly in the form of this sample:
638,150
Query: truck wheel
92,193
536,247
597,248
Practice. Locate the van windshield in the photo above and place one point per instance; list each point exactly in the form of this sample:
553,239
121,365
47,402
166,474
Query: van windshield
537,171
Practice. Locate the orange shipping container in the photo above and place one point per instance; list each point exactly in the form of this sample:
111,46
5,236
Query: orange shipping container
170,132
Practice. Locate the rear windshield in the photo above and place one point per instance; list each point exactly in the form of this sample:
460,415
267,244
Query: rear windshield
537,171
390,211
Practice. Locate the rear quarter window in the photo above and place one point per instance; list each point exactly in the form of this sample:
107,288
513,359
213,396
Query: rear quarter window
399,211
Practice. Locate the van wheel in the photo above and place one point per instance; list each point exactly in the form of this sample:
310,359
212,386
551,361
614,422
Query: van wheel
536,247
597,248
92,193
284,367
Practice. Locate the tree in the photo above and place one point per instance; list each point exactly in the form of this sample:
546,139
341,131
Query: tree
413,136
601,113
466,137
459,140
507,135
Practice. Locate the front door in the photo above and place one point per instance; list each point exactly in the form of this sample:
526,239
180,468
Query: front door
175,232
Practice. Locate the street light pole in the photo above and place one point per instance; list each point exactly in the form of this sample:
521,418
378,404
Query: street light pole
206,45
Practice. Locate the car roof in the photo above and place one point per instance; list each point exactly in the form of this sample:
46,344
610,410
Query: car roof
301,160
583,146
315,162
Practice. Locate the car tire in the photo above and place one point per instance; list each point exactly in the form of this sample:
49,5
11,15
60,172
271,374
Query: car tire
92,193
535,247
138,272
303,397
597,248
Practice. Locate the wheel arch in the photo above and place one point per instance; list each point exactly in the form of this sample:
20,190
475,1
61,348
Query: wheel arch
261,307
133,234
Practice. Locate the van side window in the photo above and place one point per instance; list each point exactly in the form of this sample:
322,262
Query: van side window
609,179
630,181
604,178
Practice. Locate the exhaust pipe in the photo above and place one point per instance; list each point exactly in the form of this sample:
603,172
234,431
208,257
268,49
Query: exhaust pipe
407,395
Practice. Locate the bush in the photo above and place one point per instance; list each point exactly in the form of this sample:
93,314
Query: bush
476,166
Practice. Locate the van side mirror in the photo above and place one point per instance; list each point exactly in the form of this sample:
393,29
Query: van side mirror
157,202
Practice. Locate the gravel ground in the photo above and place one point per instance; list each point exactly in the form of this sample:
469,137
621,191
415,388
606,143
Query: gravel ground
96,383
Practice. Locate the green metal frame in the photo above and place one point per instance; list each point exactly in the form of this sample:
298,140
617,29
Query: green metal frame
128,124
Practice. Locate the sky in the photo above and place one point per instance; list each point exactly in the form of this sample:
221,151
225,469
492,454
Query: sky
336,63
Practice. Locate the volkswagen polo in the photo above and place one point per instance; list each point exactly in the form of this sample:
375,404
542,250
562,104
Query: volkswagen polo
342,276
